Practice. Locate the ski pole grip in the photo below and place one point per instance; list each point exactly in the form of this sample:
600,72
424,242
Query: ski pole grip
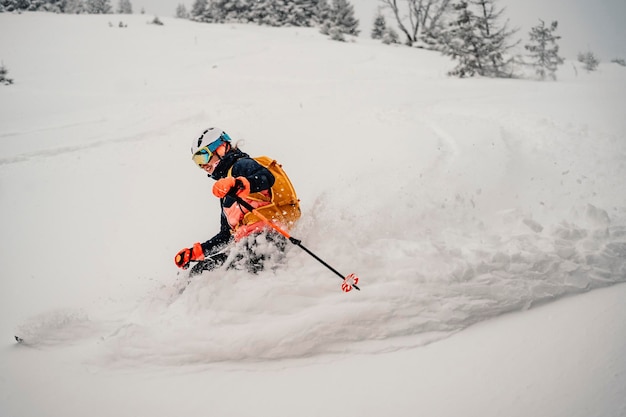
238,185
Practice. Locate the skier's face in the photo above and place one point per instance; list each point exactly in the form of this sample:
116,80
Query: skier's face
211,165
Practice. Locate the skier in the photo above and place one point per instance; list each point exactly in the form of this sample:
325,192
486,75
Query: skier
244,240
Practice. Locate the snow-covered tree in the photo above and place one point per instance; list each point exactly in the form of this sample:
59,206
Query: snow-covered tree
229,10
463,41
390,36
74,6
477,41
197,9
379,27
213,12
544,50
54,6
98,6
341,21
37,5
257,11
322,12
589,60
380,30
4,79
14,5
220,11
181,12
125,7
301,13
263,12
282,12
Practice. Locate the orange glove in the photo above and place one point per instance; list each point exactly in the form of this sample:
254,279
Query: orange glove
187,255
224,185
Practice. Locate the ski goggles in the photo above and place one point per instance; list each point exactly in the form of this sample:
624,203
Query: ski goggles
203,156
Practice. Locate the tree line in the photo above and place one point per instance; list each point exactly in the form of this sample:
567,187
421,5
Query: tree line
472,32
334,17
67,6
475,34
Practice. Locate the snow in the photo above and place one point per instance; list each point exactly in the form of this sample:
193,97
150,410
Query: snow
485,219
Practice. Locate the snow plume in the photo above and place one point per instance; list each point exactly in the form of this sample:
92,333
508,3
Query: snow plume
470,217
427,287
59,327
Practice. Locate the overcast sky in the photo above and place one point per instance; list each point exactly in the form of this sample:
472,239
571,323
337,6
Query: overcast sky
595,25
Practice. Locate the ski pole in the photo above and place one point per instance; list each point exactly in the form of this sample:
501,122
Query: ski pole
349,281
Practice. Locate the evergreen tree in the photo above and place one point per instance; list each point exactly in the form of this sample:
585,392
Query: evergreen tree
341,21
3,75
54,6
322,12
476,40
220,11
181,12
589,60
381,31
463,41
257,11
98,6
270,12
343,12
379,27
14,5
211,12
198,8
390,36
214,11
498,39
301,13
125,7
36,5
263,12
544,51
279,12
74,6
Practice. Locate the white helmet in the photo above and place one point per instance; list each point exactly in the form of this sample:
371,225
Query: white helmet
213,137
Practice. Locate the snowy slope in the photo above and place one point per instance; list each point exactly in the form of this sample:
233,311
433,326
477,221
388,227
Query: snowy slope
455,201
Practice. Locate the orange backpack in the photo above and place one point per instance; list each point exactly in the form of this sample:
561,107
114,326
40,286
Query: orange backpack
284,205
